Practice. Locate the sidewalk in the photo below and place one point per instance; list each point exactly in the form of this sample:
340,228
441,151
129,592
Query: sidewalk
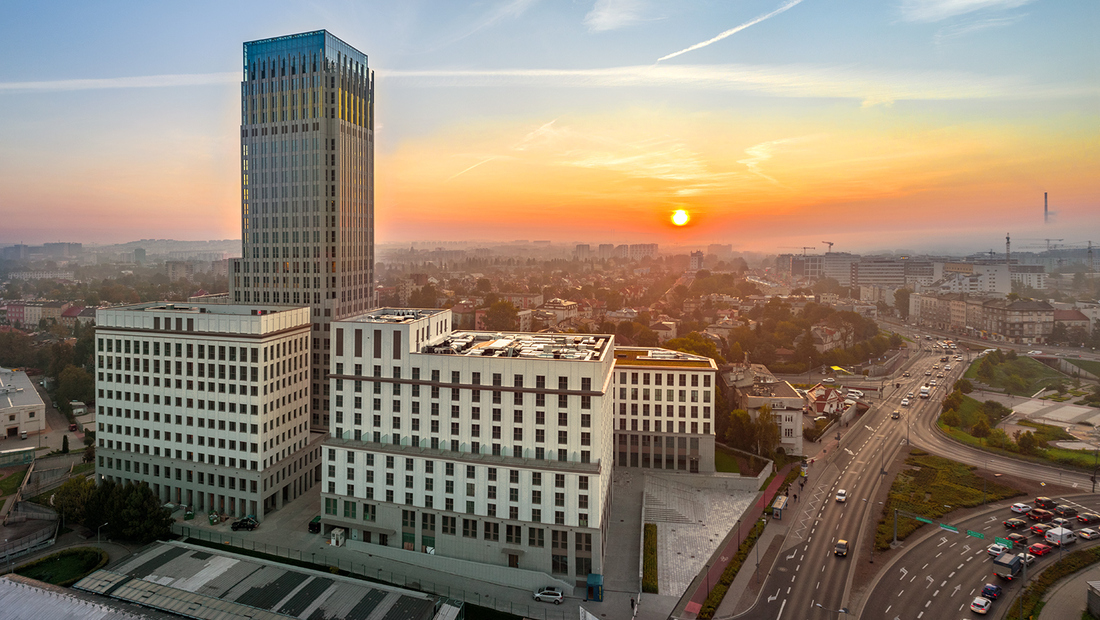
1067,598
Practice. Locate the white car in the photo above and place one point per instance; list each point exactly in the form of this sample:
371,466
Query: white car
905,402
996,550
947,366
932,383
842,496
550,594
1034,352
1027,558
855,393
1088,533
828,380
1021,508
981,605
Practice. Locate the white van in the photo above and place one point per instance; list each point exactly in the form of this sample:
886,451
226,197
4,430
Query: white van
1059,536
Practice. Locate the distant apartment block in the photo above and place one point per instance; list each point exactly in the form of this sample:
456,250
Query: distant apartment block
42,275
207,404
664,404
485,447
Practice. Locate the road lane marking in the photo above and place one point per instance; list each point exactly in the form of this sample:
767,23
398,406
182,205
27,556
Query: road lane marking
772,598
903,574
956,590
781,606
925,566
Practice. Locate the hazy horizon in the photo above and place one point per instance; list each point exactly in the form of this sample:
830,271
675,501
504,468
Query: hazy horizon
930,124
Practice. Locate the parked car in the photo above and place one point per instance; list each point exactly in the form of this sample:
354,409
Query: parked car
842,496
247,523
1040,549
991,591
1088,533
981,605
1014,523
841,548
1021,508
550,595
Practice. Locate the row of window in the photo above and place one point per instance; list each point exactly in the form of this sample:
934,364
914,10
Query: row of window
669,378
369,513
670,426
200,351
664,395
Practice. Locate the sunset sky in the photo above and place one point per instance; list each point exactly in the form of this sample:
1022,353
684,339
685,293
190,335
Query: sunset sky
880,124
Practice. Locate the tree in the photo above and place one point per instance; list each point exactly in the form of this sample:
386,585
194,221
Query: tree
74,384
737,355
981,427
964,386
951,418
954,400
767,431
64,444
131,512
742,431
998,438
502,316
71,497
901,301
696,344
1027,442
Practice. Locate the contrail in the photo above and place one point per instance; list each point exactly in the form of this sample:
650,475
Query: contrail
732,31
484,161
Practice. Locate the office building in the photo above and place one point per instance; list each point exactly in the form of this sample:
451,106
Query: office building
475,446
664,409
206,403
307,186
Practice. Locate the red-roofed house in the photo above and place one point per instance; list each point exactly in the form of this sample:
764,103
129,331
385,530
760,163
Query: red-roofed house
824,400
1071,318
69,316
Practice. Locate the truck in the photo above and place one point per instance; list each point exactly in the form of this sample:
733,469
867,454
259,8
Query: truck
1059,536
1007,565
925,391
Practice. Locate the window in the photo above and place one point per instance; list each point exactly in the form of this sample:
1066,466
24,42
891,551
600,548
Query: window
492,531
469,528
535,537
449,525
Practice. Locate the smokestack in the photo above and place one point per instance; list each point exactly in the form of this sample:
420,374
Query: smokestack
1046,213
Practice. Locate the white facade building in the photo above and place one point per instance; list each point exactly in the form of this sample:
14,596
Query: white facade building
21,408
664,409
207,403
485,447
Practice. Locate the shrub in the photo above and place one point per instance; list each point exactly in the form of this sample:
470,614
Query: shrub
714,599
649,559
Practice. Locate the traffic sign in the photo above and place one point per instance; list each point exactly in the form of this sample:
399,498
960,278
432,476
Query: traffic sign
923,520
975,534
949,528
1003,541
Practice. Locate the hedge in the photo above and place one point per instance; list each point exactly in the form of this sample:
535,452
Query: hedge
714,599
649,559
42,569
1032,597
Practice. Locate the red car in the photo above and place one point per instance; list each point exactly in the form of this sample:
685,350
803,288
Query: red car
1040,549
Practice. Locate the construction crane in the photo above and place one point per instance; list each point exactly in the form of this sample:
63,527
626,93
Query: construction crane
798,247
1050,246
830,244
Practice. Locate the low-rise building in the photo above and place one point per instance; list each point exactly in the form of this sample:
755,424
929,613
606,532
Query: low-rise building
22,411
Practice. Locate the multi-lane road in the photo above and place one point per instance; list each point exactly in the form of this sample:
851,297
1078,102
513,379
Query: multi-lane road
809,581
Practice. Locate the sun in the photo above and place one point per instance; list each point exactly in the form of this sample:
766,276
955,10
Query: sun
680,217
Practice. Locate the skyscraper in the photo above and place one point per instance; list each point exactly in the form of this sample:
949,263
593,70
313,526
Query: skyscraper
307,186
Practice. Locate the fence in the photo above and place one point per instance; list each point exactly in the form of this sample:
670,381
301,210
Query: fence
322,561
41,539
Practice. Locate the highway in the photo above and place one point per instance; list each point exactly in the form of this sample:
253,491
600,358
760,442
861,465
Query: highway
941,572
808,581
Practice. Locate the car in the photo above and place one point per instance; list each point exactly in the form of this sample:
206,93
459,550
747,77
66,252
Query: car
1017,539
855,393
981,605
1014,523
841,548
905,402
1065,511
1088,518
1038,514
905,374
1040,529
1021,508
911,395
1045,503
947,366
1040,549
550,595
828,380
895,414
928,373
936,366
247,523
842,496
1062,522
1034,352
991,591
996,550
72,427
939,375
1027,558
1088,533
932,383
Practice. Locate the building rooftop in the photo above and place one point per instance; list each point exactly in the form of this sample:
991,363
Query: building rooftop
393,315
197,582
583,347
655,356
17,390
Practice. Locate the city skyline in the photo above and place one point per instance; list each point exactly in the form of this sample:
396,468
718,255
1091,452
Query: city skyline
596,120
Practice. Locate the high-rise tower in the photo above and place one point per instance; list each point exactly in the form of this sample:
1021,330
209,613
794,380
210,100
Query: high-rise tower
307,186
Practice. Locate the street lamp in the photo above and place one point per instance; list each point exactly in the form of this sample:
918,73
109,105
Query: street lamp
842,610
97,533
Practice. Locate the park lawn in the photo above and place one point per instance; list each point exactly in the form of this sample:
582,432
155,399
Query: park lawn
1034,375
10,484
1092,366
932,487
65,567
969,410
1084,459
725,461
